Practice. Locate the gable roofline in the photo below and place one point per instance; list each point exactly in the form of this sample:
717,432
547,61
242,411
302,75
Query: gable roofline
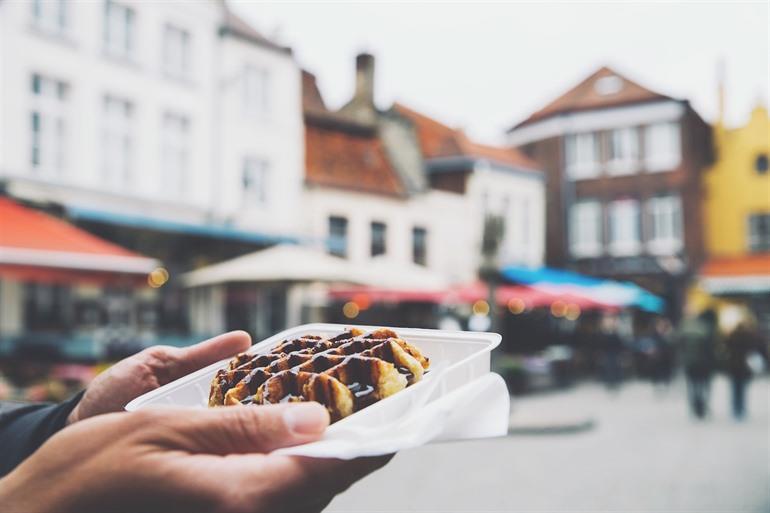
460,148
584,97
235,26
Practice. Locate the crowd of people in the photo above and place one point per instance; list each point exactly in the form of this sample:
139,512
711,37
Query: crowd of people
697,345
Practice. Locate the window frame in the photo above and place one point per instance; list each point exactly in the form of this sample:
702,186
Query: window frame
664,206
122,47
175,153
49,115
337,244
378,238
623,246
577,165
116,168
626,162
656,158
580,246
758,242
255,196
420,257
49,16
180,66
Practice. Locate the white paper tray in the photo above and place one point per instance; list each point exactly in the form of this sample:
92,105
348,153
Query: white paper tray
457,358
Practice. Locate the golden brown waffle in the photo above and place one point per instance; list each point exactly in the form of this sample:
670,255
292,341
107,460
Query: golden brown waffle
345,373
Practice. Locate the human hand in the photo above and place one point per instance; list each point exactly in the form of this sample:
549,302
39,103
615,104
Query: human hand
191,460
151,368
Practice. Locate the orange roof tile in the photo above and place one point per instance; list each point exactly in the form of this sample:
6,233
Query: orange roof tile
24,228
586,95
749,265
438,140
348,157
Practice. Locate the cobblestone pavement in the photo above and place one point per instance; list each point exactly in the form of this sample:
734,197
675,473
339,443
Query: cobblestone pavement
644,454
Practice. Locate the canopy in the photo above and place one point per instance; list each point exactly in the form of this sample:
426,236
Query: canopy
295,263
748,274
279,263
532,297
607,292
40,247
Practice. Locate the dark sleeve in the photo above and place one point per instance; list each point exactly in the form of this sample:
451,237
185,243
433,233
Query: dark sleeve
25,427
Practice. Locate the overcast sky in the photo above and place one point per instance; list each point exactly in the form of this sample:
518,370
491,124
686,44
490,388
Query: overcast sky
484,67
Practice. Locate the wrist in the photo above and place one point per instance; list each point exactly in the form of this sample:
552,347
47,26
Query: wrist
15,498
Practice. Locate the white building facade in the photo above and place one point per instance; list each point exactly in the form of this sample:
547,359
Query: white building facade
173,112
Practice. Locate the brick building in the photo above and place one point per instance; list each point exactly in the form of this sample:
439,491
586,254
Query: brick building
624,168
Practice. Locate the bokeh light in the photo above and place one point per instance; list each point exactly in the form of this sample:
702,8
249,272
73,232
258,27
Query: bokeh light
350,310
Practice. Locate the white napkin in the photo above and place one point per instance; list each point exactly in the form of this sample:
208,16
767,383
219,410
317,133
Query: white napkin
479,409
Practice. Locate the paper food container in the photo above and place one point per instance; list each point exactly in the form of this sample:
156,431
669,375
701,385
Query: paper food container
458,399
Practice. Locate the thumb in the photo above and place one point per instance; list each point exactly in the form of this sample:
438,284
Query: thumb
246,429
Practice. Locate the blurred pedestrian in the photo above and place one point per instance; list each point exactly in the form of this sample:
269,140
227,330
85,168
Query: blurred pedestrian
740,345
611,350
697,340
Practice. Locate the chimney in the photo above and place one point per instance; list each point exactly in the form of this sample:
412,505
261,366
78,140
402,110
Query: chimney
365,79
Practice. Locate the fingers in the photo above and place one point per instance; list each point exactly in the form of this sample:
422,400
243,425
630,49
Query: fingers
180,362
254,429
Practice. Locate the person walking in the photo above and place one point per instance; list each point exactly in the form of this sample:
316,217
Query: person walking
696,337
741,344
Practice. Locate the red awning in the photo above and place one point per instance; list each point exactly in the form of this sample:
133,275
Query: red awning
38,247
529,296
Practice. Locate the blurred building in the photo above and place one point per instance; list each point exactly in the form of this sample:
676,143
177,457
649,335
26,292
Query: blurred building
399,201
173,129
65,293
737,211
493,180
624,167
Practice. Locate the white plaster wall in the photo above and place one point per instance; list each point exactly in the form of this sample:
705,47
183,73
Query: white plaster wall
509,193
219,134
444,215
277,137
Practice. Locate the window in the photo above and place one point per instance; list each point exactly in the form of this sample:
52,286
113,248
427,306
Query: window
623,151
378,244
582,156
117,142
118,29
176,51
759,232
585,233
50,15
48,125
662,147
175,154
665,224
609,85
624,237
338,236
420,245
760,164
255,181
256,84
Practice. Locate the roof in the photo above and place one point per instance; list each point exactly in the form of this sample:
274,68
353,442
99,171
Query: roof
438,140
603,88
32,238
348,156
737,275
237,26
311,95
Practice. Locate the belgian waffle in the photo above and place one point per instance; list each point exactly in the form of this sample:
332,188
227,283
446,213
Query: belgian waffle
345,373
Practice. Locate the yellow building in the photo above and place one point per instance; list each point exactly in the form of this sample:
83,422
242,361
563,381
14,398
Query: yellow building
737,223
737,200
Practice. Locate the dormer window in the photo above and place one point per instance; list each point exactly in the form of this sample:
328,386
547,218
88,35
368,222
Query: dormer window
606,86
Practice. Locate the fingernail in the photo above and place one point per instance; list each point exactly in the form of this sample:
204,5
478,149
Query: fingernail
306,418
